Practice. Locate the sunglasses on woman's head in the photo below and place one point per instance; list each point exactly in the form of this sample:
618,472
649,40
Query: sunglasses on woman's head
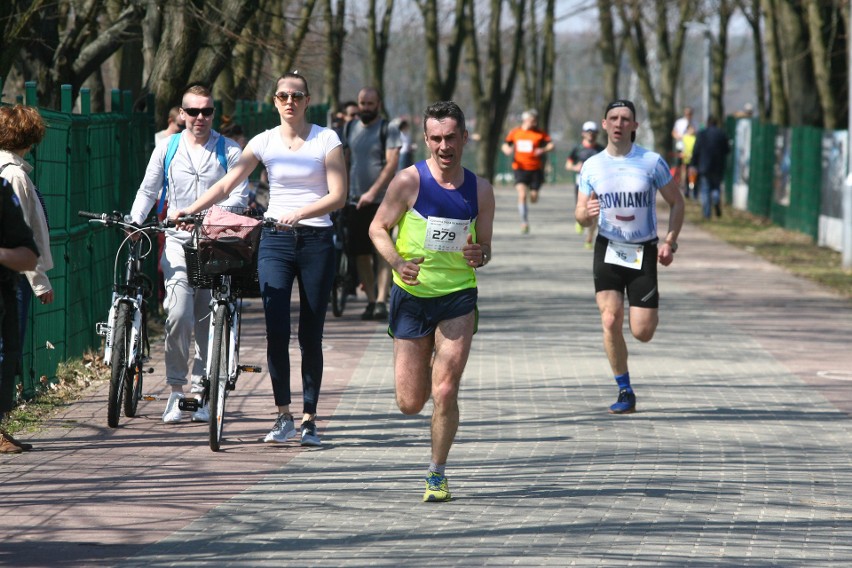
297,96
193,112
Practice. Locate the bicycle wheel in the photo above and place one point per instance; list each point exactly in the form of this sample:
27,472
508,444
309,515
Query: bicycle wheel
133,385
339,287
120,337
217,375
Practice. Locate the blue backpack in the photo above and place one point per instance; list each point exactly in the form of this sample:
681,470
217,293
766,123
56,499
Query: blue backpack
174,142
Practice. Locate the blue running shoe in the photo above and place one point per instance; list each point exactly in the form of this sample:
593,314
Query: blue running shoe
436,488
625,404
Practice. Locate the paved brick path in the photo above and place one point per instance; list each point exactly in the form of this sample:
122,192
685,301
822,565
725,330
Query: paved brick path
737,456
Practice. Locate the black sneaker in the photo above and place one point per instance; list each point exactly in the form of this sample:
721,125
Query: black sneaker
380,312
368,311
625,404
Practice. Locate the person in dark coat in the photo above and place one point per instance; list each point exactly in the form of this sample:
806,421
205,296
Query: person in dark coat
709,158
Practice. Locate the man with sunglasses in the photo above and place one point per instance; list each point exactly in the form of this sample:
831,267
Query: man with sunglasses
196,164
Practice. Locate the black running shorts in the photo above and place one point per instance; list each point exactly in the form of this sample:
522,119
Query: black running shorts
640,285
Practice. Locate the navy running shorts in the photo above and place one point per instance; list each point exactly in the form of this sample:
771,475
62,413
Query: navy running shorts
410,317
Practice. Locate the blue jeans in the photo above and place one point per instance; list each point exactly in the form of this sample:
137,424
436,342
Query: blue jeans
710,194
305,255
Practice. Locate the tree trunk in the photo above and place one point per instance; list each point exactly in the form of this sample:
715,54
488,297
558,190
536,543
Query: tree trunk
18,17
778,109
492,100
548,63
798,68
174,58
529,62
335,35
438,87
659,95
821,59
241,78
152,32
285,58
608,47
751,11
128,60
72,44
378,41
223,26
537,66
719,60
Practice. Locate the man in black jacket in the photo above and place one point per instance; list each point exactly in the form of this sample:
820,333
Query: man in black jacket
18,253
709,159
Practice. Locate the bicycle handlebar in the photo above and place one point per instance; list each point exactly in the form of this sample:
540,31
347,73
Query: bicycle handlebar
116,218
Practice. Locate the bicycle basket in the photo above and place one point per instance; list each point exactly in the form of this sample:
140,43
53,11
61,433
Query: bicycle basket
227,242
193,269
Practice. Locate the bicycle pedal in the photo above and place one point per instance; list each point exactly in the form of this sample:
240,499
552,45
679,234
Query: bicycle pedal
251,369
102,328
231,385
190,404
150,397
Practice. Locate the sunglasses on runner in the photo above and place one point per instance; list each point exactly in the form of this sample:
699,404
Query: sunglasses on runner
193,112
297,96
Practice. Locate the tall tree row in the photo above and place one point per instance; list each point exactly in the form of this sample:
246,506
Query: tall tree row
801,58
481,49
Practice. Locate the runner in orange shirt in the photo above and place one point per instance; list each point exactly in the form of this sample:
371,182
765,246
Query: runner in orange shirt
529,145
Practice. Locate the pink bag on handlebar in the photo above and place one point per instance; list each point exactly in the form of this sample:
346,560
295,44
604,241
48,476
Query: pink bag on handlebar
228,242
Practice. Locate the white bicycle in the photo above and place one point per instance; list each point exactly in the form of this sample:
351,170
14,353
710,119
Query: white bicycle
206,259
126,348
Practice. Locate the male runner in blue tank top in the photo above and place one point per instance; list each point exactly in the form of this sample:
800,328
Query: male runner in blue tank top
618,191
445,215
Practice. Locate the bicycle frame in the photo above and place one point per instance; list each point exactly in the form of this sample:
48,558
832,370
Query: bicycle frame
223,347
223,295
125,334
131,292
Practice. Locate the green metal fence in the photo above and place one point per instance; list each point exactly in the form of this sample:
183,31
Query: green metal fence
785,175
95,162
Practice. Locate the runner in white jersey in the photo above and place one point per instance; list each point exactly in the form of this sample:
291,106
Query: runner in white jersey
618,191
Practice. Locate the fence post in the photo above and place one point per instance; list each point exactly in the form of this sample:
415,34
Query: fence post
66,102
85,101
32,93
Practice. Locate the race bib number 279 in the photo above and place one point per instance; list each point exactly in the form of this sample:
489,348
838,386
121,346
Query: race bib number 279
446,235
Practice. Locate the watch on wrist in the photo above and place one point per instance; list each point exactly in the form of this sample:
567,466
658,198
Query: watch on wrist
673,247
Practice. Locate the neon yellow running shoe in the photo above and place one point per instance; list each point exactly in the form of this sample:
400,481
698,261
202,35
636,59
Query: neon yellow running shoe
436,488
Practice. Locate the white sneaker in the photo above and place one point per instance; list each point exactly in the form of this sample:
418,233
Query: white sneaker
283,430
202,414
309,434
173,414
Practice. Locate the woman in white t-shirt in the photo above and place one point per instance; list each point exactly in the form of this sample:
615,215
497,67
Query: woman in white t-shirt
307,176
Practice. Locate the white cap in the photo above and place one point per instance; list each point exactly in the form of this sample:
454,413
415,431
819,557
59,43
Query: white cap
590,126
